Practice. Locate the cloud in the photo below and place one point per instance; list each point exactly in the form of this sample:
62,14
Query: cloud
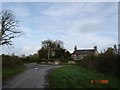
61,1
87,41
20,9
88,26
96,23
27,50
60,11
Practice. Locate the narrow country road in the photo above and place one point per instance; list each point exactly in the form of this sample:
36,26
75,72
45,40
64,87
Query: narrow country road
33,77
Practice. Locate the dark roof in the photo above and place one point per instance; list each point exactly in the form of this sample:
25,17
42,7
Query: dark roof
86,51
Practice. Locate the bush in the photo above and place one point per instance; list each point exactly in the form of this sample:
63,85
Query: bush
11,65
11,61
105,63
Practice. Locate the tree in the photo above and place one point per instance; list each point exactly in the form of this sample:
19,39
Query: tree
34,57
49,47
59,53
9,27
52,44
53,49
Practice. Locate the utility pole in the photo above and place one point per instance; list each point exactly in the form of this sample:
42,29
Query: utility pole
118,49
48,53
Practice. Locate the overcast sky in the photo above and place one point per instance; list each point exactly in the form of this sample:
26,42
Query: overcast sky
82,24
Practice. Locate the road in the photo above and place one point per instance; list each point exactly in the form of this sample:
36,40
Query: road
32,77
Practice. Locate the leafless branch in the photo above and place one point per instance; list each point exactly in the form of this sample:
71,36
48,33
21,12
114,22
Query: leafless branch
9,27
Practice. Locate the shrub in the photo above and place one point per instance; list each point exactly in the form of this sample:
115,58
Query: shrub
11,61
105,63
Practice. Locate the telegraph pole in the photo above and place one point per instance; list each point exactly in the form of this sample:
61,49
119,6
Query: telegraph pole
48,53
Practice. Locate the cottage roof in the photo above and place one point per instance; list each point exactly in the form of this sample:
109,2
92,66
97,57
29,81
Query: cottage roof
85,51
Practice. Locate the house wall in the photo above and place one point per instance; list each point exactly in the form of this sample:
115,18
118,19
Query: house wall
80,57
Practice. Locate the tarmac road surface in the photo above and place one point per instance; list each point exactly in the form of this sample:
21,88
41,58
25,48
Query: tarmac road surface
32,77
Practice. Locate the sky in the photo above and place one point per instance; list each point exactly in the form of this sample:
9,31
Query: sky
75,23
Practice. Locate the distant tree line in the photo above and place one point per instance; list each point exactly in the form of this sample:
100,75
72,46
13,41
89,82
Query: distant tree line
30,59
50,51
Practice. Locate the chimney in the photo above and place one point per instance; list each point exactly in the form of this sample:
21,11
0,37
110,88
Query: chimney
75,48
95,48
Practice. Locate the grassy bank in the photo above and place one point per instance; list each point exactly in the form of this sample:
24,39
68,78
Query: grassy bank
73,76
11,65
9,72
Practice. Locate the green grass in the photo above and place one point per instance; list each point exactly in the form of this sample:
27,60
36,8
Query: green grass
73,76
7,73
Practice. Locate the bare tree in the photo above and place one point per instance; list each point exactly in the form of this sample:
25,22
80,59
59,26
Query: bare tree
8,27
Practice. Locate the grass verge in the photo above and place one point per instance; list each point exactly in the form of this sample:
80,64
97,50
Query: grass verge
7,73
73,76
